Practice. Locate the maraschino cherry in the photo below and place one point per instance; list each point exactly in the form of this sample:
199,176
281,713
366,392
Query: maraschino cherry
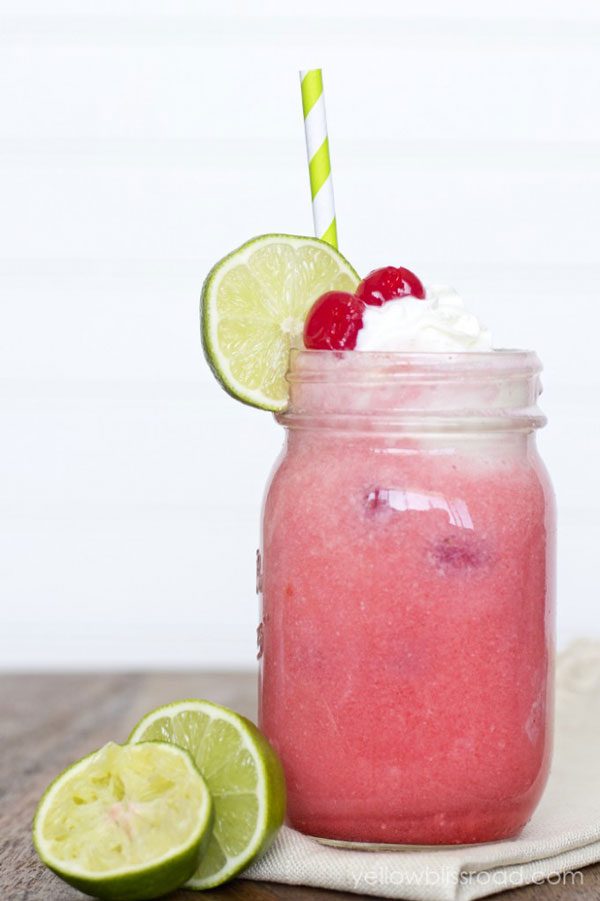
334,322
336,318
389,283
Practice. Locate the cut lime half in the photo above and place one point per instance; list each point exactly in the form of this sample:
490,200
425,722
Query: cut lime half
244,776
253,306
127,822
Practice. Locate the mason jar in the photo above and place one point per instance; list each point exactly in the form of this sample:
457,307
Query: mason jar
407,580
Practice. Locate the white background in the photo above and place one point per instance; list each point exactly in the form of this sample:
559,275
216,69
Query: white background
139,142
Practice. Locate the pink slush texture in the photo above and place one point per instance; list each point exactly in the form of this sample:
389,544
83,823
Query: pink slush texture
407,657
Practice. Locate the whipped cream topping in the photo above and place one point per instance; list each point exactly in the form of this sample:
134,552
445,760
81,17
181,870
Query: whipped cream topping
439,323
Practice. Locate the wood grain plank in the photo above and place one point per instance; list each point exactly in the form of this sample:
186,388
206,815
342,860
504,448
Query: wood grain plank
47,721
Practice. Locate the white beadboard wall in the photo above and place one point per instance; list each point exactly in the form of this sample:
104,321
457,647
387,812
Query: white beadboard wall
139,142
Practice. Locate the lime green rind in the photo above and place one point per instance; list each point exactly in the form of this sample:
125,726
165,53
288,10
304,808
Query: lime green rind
271,786
139,883
213,357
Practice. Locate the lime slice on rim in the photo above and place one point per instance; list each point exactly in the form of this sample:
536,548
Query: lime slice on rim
127,822
244,776
253,306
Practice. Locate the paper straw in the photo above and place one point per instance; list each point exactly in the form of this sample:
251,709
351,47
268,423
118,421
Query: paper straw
317,151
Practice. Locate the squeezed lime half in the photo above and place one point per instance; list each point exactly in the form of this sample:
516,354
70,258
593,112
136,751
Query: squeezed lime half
127,822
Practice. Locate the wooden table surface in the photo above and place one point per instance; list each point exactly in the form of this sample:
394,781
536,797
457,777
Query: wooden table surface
47,721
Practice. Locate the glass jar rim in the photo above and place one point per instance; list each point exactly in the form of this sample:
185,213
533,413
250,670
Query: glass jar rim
422,391
328,365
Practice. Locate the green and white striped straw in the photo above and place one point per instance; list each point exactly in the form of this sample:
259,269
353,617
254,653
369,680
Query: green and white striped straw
317,150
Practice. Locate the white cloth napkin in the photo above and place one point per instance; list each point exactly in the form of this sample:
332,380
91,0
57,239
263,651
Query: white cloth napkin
563,835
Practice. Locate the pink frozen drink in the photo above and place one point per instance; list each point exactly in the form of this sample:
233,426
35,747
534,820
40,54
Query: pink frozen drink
407,577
